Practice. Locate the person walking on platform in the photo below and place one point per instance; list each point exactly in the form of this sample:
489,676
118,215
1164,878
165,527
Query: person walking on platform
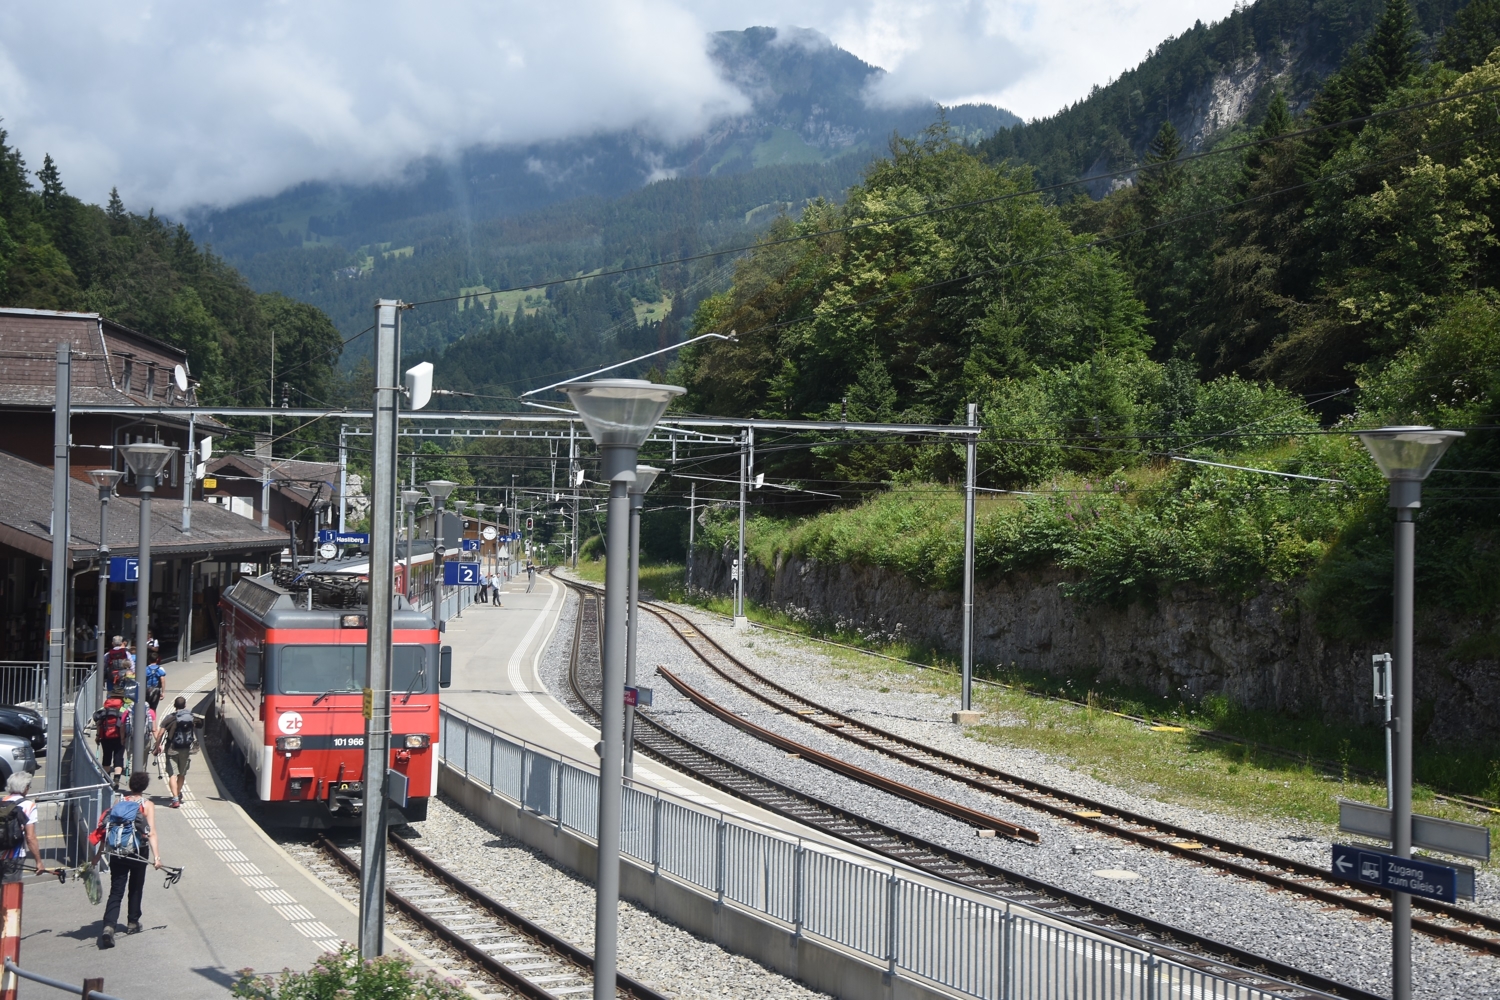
115,662
156,678
530,576
127,725
18,828
109,731
178,733
126,834
483,594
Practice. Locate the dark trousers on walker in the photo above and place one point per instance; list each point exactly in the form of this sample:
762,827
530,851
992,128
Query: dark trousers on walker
122,870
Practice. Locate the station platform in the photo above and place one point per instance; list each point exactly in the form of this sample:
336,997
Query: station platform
496,651
242,901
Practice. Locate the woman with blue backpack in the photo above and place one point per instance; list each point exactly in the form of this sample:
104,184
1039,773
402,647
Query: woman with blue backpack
126,834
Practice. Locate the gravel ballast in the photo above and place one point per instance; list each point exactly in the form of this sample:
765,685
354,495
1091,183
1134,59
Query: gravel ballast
1291,929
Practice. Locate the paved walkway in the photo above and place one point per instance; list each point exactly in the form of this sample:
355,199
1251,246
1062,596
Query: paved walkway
242,903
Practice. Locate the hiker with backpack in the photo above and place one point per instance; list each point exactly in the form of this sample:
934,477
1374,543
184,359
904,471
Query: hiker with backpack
179,734
127,725
116,661
18,828
109,731
126,834
156,677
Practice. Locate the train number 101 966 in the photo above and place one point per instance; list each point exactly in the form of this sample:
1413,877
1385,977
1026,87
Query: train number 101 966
348,741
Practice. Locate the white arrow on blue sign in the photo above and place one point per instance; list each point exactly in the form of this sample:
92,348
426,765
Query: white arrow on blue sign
460,574
1387,871
124,569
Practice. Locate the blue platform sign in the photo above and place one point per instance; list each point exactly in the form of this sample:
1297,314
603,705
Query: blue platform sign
328,535
460,574
1386,871
124,569
471,545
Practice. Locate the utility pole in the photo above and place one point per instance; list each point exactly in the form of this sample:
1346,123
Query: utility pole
747,452
343,477
62,565
383,442
189,476
692,505
966,715
573,478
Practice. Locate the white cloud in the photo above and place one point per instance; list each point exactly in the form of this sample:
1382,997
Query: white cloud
180,103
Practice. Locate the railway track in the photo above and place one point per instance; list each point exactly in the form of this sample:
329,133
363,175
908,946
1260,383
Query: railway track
1446,922
1330,768
681,753
526,958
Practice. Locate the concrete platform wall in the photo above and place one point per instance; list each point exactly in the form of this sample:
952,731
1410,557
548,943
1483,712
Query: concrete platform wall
817,964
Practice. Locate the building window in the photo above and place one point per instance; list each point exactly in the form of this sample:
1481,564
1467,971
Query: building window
129,374
151,382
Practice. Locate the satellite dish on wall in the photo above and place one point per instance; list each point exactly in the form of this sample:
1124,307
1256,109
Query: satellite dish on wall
179,378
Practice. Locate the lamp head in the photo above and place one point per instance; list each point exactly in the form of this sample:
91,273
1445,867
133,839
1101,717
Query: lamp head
106,479
410,497
1407,454
478,508
645,475
146,458
620,412
439,489
459,505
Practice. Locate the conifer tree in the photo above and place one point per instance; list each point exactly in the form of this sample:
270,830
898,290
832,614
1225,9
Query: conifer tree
52,186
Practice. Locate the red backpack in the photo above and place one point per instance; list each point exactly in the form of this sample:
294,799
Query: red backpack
115,662
109,719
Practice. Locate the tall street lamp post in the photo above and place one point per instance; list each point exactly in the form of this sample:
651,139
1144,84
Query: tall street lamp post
438,489
146,461
106,480
479,509
619,415
1406,456
645,475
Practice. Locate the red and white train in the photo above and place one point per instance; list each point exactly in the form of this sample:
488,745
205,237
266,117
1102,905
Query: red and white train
291,676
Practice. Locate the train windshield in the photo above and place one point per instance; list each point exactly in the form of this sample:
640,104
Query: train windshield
335,669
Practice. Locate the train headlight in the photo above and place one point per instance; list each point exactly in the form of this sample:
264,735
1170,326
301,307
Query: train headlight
416,741
285,743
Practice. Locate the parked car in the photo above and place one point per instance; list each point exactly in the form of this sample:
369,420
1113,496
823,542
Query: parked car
16,755
28,723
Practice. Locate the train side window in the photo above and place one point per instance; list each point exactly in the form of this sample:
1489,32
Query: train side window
252,668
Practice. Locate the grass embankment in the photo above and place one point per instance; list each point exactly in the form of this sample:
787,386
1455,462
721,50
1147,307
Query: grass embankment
1290,780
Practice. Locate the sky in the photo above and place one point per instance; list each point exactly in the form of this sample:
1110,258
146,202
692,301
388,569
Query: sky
182,104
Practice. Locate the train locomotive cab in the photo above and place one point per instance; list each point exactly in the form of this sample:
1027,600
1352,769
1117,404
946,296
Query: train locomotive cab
291,676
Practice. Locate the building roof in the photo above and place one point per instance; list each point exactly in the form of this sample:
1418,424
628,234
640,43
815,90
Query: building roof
26,513
295,478
102,352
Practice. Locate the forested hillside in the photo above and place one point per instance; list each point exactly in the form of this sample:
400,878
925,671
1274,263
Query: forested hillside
56,252
496,218
1234,309
1204,80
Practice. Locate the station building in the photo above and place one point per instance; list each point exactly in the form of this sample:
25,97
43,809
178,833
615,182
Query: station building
200,544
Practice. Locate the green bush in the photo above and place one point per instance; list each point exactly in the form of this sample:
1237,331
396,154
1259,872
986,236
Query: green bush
343,975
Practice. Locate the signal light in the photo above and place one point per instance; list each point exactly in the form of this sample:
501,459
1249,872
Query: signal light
416,741
285,743
528,524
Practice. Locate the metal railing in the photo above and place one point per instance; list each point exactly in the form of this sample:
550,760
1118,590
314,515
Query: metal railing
88,793
57,984
920,928
26,681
